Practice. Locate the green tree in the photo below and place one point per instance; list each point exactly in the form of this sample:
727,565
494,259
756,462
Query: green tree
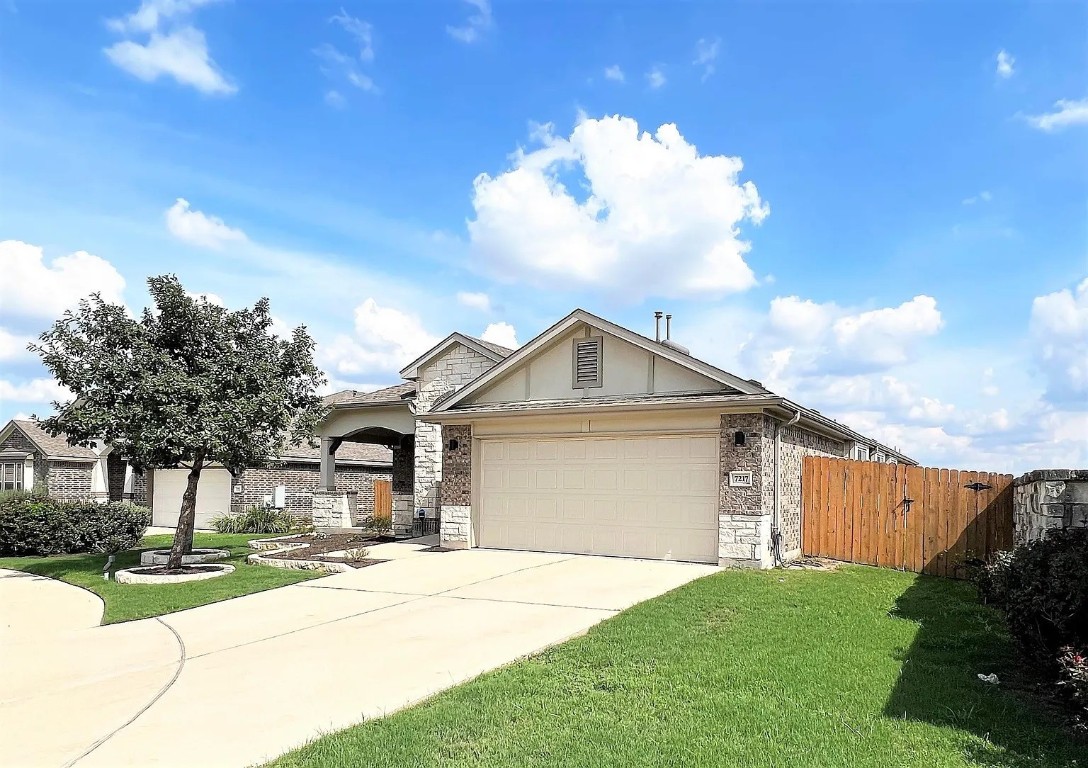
187,384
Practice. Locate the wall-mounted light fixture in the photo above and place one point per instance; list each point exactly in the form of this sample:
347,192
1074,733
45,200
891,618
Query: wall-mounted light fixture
453,444
738,439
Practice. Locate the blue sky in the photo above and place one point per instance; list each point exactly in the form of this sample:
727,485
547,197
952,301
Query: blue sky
877,209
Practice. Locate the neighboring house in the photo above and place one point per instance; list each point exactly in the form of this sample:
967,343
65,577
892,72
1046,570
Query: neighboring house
31,458
589,439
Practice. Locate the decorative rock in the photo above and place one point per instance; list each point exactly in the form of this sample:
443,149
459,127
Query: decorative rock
138,575
162,556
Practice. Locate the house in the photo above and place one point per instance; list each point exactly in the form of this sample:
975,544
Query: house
590,438
31,458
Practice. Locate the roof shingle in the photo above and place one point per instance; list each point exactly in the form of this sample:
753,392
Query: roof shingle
53,447
386,396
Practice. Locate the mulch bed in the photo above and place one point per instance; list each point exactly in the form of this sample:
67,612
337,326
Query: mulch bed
185,570
320,544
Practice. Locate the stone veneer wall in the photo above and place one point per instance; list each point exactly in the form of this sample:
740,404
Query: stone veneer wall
446,374
301,479
1046,499
456,527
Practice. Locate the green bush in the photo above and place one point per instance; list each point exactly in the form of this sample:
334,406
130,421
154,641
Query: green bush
255,520
34,524
1045,587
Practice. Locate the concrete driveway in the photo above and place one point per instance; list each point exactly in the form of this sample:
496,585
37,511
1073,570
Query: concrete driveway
241,681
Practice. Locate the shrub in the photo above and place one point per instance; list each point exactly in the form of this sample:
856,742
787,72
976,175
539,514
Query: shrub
382,523
1073,678
34,524
1045,587
255,520
991,577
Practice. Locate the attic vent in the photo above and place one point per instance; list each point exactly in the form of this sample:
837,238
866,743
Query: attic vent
587,362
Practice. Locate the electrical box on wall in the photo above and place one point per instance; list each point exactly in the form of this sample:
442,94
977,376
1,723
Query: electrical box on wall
279,496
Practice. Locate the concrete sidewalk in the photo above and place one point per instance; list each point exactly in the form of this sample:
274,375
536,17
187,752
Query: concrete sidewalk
241,681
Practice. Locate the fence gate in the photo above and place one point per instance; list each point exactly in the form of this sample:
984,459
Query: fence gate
911,518
383,497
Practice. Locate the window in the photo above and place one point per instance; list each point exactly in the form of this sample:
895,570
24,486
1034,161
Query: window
11,476
587,362
861,453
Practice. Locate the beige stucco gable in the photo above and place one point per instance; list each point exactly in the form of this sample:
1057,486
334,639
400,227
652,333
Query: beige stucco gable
626,369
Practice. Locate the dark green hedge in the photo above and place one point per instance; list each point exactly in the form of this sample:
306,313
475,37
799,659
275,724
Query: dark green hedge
33,524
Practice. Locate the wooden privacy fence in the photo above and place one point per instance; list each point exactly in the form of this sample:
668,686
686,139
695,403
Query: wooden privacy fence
911,518
383,497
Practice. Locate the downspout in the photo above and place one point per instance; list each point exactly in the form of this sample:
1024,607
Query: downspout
776,531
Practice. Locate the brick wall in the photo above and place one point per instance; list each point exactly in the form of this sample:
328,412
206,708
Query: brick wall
115,477
69,479
301,480
141,493
741,500
457,465
794,444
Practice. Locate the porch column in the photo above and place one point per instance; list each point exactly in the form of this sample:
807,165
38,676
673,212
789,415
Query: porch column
100,491
403,486
328,463
130,483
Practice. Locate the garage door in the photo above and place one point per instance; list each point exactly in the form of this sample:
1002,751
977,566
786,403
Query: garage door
648,496
212,496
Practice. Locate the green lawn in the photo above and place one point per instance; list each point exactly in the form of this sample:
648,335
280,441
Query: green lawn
863,667
125,602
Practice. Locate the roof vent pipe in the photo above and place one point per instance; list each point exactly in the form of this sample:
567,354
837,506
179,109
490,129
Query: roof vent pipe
668,327
657,326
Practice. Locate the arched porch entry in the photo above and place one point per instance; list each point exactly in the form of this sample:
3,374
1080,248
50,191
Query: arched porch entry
384,418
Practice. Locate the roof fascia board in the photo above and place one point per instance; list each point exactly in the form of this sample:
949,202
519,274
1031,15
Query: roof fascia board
581,316
411,371
756,404
11,426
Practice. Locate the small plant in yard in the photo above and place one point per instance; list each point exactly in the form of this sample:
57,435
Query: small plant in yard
358,553
1073,678
255,520
382,523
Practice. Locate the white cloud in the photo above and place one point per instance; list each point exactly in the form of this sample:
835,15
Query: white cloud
655,78
385,340
650,216
480,301
984,196
1059,331
30,288
34,391
198,228
13,346
361,30
1005,64
802,337
172,49
152,13
335,99
339,66
211,298
478,22
706,54
614,73
502,334
1066,112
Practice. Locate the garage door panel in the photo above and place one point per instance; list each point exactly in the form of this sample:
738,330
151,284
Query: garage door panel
213,496
646,496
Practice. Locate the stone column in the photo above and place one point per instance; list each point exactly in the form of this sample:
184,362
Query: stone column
456,528
744,504
403,487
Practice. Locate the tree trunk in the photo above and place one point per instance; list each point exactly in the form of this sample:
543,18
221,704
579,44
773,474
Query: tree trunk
183,536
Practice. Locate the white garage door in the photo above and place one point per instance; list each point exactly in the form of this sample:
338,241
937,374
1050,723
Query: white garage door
212,495
650,496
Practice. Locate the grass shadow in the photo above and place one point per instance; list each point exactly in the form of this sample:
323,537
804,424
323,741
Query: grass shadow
958,639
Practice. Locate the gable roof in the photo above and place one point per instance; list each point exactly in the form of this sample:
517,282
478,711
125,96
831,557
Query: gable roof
486,348
51,447
743,386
